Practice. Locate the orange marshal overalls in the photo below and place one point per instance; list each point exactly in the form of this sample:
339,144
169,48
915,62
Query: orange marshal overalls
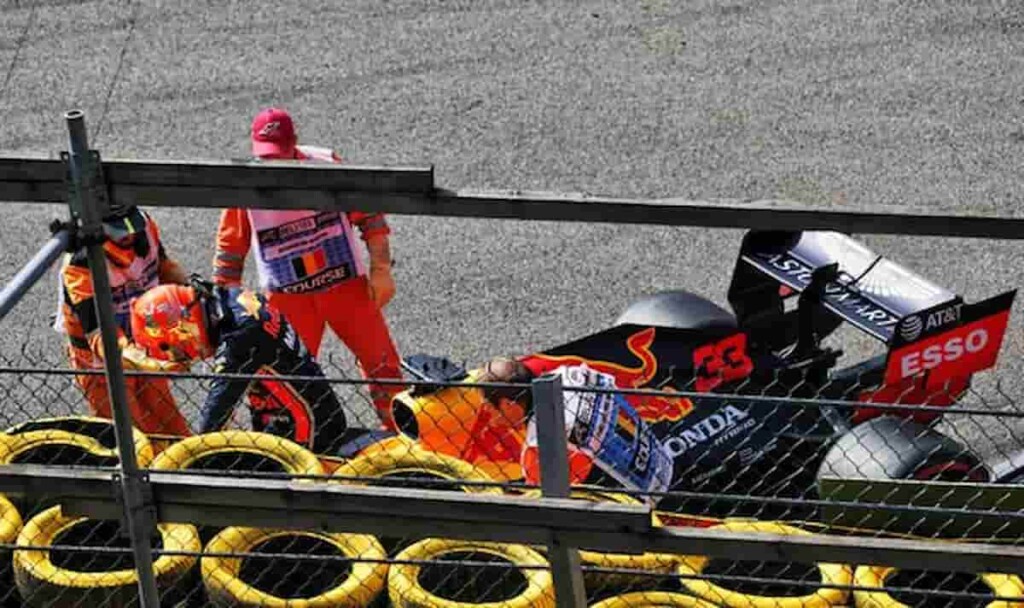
311,271
150,402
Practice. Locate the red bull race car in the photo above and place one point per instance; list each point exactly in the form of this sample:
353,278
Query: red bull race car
753,401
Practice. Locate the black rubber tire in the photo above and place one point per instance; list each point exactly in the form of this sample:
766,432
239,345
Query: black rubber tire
225,587
42,583
889,447
1009,470
677,309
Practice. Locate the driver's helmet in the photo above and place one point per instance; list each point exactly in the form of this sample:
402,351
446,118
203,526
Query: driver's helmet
127,237
169,322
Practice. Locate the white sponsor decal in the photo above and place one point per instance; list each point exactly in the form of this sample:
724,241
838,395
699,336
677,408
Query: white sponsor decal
708,428
837,295
935,355
323,279
643,456
941,318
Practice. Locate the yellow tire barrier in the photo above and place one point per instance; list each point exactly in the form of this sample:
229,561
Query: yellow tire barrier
402,460
825,597
100,429
54,446
649,562
45,584
287,455
407,591
1002,585
222,576
10,526
653,599
10,521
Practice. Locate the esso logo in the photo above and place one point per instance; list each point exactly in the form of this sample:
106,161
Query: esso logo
935,355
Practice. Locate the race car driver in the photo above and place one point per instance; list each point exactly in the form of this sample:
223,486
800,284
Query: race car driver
249,336
310,268
136,261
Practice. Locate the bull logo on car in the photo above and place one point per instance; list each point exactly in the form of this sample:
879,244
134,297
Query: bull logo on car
651,408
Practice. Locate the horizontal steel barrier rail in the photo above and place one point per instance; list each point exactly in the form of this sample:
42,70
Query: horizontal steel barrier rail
411,191
335,507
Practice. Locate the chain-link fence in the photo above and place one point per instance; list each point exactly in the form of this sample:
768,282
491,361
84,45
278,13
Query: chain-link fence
476,438
685,456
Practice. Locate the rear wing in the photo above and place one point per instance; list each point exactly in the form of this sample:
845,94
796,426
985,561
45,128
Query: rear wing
865,289
844,281
945,343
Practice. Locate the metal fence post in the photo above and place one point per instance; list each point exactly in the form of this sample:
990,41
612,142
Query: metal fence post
32,271
554,481
86,206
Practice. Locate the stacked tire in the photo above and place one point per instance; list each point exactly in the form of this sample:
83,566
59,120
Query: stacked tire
835,578
648,569
69,440
653,599
870,581
49,578
508,575
238,451
282,582
10,527
404,460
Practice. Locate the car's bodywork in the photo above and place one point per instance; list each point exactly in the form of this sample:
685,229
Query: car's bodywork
755,399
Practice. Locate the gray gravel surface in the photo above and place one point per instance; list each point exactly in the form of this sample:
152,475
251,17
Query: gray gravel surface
828,103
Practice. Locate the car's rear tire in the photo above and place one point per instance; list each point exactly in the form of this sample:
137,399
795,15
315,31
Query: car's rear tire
224,577
1009,470
889,447
677,309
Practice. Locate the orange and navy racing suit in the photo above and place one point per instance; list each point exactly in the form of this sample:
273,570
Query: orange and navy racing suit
150,402
310,269
252,337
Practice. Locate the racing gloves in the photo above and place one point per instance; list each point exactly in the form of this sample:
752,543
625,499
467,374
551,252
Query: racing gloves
135,357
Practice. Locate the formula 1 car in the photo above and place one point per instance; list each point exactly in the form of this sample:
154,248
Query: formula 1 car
754,401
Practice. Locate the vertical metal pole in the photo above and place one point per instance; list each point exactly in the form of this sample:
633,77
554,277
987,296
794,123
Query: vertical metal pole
554,483
138,516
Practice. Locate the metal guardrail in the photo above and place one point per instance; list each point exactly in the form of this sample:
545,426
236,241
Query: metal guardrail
411,191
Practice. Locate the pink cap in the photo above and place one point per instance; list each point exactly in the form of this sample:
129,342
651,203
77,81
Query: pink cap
273,134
